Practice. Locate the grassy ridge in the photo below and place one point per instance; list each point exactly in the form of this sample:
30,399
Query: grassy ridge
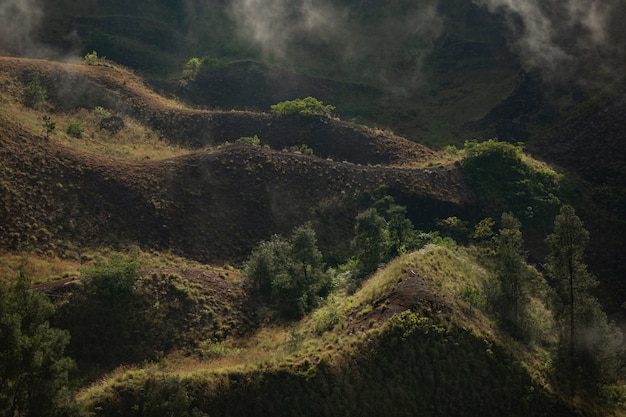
405,344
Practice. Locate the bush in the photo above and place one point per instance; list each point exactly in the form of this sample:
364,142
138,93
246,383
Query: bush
302,149
249,140
308,106
48,124
35,94
100,315
92,59
199,67
75,128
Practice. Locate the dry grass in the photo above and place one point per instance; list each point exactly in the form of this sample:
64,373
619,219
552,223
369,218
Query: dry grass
37,268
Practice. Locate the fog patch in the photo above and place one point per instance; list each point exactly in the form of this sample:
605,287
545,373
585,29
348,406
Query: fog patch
565,38
18,20
387,49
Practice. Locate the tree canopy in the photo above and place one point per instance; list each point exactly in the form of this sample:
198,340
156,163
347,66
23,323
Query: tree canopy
308,106
33,367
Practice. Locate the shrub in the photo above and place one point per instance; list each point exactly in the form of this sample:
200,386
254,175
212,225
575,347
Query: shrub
48,124
92,59
302,149
101,112
199,67
249,140
75,128
308,106
35,94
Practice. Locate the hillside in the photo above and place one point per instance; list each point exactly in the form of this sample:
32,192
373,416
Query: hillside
134,195
404,344
203,204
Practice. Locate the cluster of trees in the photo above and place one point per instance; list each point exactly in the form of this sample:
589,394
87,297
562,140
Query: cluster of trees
589,347
290,273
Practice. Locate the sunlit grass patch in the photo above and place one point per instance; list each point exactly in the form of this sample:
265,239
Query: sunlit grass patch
37,268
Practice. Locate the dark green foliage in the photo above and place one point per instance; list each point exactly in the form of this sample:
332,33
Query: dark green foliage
100,315
483,230
249,140
33,368
308,106
201,67
454,228
499,174
382,233
589,346
370,246
512,274
289,273
302,149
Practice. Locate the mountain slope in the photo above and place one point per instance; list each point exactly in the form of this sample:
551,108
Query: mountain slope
205,204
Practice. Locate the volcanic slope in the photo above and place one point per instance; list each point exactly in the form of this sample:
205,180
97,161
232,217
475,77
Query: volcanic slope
211,203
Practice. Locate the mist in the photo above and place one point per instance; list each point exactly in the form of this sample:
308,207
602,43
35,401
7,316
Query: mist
18,21
390,54
565,38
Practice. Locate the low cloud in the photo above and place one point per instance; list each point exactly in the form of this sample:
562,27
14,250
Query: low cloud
564,38
18,21
387,48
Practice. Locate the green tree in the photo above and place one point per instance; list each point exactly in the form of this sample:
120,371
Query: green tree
308,106
370,244
48,124
504,178
402,235
289,273
33,368
512,272
267,266
308,268
588,344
